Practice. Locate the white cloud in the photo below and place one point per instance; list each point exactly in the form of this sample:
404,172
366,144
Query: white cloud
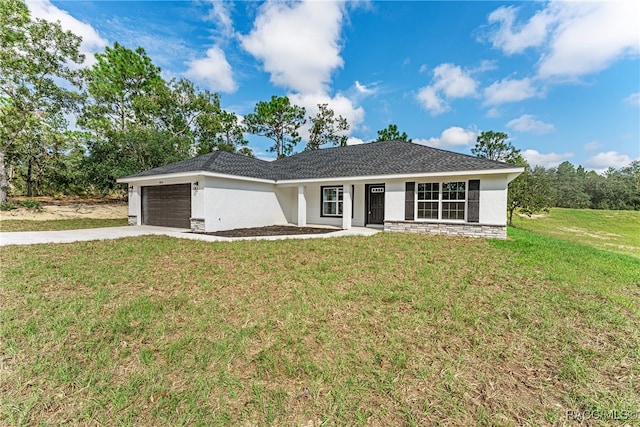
633,99
604,160
454,136
429,99
494,113
485,65
363,90
92,42
354,141
340,104
449,82
510,90
527,123
221,16
592,146
453,82
213,71
298,43
548,160
574,38
515,40
590,36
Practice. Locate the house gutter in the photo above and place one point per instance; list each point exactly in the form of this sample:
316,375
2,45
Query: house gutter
194,174
511,173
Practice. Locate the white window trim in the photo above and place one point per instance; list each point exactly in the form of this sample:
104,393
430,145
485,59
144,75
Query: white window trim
440,201
339,200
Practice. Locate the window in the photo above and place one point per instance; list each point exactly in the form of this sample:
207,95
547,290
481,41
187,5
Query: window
332,198
453,197
332,201
428,195
444,201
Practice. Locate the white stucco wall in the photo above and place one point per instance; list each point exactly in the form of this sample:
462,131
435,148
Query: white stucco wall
493,197
225,204
493,200
312,193
135,203
198,194
358,205
230,204
288,200
394,200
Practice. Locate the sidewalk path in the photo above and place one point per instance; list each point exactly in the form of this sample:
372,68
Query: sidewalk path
69,236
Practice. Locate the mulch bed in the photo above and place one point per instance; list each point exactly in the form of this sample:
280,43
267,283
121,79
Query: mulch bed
272,230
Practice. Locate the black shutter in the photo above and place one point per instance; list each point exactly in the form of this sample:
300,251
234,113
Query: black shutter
473,214
409,200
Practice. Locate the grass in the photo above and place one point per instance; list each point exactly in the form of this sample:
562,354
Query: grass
616,231
60,224
395,329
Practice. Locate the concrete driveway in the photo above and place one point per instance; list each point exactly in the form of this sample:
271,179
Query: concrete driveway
69,236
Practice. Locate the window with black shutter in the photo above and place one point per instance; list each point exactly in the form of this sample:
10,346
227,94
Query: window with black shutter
473,214
409,201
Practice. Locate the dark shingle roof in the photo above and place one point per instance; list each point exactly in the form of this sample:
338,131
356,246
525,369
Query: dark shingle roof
219,162
377,158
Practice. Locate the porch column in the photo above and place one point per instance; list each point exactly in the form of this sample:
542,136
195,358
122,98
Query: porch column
302,207
135,205
198,218
346,207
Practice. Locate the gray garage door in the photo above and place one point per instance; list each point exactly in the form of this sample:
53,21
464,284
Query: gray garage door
167,205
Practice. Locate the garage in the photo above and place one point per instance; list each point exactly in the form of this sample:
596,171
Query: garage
167,205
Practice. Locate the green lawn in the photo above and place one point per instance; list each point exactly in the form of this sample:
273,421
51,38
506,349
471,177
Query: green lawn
617,231
394,329
60,224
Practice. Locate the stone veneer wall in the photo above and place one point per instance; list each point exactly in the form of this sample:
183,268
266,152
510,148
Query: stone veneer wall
452,229
197,225
133,220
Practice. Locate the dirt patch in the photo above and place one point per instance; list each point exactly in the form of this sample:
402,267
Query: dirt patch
53,209
596,235
532,216
272,230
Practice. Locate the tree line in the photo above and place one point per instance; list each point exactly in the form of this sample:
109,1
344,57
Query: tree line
69,128
564,186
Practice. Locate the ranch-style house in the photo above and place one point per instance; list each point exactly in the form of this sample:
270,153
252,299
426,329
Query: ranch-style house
394,185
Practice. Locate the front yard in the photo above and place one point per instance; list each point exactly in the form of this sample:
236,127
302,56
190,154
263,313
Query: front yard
393,329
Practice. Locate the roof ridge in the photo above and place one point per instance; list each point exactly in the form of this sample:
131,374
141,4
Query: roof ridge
212,158
390,157
467,155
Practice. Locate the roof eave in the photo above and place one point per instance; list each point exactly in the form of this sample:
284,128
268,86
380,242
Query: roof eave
192,174
511,173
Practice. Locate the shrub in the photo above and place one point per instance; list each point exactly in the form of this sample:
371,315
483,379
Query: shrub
7,206
31,204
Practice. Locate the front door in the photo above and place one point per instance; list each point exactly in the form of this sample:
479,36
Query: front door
375,211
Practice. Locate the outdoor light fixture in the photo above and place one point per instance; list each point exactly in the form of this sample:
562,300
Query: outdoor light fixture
131,188
195,185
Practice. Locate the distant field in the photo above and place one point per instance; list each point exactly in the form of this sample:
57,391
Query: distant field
390,330
616,231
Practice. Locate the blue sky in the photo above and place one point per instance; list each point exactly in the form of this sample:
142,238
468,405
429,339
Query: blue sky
561,78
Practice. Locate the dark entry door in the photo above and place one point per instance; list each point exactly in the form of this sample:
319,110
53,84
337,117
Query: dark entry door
376,205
